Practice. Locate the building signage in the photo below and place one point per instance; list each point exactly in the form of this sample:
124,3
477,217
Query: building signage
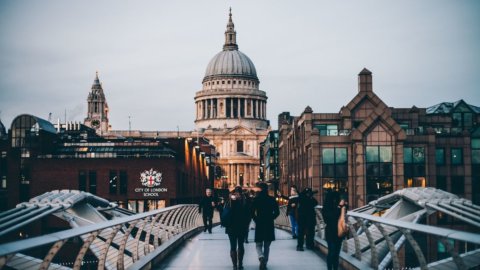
151,181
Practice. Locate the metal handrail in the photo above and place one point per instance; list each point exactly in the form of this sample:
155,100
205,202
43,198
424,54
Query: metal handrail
92,235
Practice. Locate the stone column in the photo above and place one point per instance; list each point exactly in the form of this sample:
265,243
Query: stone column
245,110
238,108
231,107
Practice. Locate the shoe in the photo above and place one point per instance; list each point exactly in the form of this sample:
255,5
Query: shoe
263,263
294,236
300,249
210,232
310,247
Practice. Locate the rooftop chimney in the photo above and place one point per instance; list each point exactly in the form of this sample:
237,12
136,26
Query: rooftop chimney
365,81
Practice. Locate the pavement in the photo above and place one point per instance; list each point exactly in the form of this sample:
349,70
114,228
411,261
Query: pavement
212,251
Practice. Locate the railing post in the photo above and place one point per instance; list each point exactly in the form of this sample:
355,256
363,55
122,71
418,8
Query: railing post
51,253
84,249
103,255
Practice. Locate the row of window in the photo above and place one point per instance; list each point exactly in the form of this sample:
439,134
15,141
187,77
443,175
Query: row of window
233,82
117,182
411,155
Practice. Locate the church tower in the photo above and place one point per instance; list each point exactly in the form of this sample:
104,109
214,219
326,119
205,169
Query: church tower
97,115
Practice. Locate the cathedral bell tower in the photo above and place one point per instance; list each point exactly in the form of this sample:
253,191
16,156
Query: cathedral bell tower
97,115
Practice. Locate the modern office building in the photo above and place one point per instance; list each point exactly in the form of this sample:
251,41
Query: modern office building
369,149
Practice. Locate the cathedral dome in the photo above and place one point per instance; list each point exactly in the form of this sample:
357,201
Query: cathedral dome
231,63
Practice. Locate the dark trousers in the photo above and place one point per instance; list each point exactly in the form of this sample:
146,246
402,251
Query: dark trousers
306,232
236,241
333,255
207,222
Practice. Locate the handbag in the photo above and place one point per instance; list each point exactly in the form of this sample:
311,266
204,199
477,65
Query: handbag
226,217
342,225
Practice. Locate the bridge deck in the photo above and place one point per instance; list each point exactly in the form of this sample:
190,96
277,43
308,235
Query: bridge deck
211,251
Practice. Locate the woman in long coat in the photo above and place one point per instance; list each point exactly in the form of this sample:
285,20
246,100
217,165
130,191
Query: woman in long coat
264,212
238,217
331,213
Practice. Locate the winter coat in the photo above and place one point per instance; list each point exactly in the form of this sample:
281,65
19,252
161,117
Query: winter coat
205,207
292,206
264,212
306,211
240,216
331,216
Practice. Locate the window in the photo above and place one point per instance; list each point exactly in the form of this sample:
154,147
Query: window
440,156
462,120
442,183
379,171
456,156
112,182
335,169
92,182
476,151
240,146
123,182
82,181
457,185
414,166
327,130
414,155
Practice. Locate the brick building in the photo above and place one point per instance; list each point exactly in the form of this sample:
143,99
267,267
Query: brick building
368,149
138,173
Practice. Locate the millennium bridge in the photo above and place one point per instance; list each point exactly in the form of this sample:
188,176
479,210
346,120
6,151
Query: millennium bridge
393,232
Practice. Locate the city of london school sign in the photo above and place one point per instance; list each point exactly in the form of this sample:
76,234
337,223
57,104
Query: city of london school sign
151,180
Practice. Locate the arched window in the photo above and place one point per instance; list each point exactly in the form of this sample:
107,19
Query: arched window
239,146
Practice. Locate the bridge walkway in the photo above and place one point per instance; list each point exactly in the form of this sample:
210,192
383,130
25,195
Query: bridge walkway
211,251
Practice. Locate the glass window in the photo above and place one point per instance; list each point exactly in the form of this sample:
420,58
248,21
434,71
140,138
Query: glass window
340,155
123,182
442,183
414,155
82,181
328,156
456,119
372,153
457,185
418,155
476,156
92,182
476,143
407,155
385,154
239,146
112,182
456,155
440,156
467,120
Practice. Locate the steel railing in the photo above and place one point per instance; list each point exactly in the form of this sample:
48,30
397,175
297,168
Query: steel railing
380,243
114,244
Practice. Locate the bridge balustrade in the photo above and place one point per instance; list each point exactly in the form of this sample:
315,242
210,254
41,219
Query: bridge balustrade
127,242
380,243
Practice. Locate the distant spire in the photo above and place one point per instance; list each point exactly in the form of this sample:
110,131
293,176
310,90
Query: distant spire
230,35
97,80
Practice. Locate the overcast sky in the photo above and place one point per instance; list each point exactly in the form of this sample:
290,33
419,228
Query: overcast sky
152,55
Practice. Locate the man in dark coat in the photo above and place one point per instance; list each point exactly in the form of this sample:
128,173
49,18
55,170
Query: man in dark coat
307,219
264,212
206,206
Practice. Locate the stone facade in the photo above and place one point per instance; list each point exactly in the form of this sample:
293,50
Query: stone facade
368,149
231,112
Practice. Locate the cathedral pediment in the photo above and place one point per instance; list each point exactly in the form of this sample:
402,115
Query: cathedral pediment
240,130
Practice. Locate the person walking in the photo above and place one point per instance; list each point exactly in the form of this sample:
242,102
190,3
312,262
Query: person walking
206,207
236,218
264,212
332,207
307,219
249,196
220,206
292,212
